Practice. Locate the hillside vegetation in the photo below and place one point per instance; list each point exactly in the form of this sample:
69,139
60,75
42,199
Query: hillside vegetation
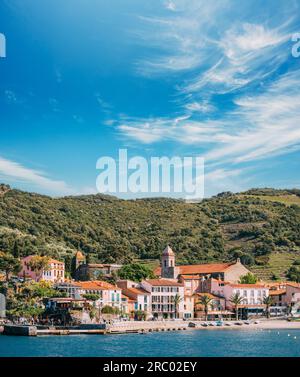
251,225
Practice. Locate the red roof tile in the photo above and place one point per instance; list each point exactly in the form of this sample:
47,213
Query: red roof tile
164,282
207,268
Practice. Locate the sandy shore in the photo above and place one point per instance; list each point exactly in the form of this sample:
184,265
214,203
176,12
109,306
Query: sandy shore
277,324
264,324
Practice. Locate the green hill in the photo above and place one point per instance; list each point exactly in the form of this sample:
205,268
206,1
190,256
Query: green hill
260,226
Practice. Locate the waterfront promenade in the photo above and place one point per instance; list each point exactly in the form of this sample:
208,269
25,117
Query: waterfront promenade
127,327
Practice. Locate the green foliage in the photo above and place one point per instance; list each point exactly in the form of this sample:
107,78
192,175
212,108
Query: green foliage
140,315
248,279
110,230
26,299
91,296
39,263
9,264
275,277
135,272
294,273
110,310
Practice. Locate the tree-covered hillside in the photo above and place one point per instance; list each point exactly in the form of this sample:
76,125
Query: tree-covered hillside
252,225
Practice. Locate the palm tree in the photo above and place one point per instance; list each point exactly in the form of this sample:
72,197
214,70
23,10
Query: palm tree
205,301
268,301
176,300
237,300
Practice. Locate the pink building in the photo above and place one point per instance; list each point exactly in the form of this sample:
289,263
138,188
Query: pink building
54,273
109,294
292,295
252,294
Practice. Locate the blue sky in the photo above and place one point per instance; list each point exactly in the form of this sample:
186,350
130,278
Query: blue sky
160,78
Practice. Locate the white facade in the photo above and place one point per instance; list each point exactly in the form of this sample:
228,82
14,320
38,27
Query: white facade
163,292
252,294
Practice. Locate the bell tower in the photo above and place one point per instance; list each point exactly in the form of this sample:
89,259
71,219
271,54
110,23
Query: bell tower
168,263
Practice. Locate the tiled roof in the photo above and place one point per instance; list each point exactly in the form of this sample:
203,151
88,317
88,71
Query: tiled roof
96,285
55,261
164,282
210,295
134,292
247,286
293,284
207,268
79,255
190,277
276,292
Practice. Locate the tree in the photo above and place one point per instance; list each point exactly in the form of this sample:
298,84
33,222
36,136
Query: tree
248,279
237,300
91,296
294,274
15,251
39,264
176,300
9,264
268,301
205,301
135,272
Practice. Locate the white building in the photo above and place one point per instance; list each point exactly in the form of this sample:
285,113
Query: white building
163,292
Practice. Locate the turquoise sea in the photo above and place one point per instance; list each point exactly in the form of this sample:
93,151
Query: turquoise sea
188,343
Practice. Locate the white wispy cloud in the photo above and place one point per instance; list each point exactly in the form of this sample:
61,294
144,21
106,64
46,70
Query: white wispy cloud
260,126
18,173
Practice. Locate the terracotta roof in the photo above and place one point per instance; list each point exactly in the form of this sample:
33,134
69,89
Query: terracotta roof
293,284
55,261
219,281
276,292
190,277
207,268
248,286
210,295
96,285
164,282
79,255
134,292
100,265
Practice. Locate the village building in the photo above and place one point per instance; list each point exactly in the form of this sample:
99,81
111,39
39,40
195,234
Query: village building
109,294
141,300
55,272
163,292
216,307
92,271
191,275
292,298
